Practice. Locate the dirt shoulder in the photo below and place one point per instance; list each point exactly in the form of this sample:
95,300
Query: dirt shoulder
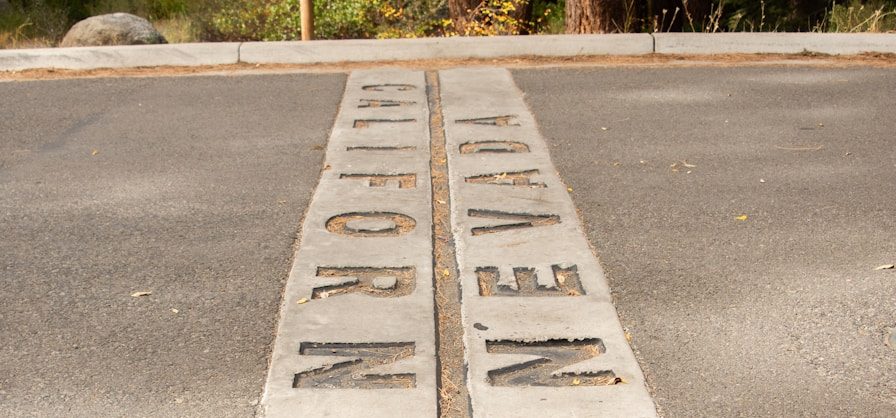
652,60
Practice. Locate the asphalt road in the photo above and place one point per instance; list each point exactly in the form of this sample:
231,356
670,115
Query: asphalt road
190,188
739,214
780,314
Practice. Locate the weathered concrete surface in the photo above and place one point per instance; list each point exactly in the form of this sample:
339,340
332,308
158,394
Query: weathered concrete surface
84,58
781,314
436,48
443,48
485,105
361,318
195,193
774,43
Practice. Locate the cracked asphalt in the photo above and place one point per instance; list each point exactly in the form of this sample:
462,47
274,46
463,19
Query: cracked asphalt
190,188
739,213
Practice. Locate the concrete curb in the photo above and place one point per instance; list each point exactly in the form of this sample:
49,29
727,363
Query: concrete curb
316,52
438,48
86,58
774,43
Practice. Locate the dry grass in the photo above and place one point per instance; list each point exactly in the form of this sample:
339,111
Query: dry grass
17,38
178,30
855,17
10,41
875,60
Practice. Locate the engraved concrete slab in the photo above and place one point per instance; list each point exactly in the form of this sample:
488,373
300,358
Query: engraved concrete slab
356,334
541,331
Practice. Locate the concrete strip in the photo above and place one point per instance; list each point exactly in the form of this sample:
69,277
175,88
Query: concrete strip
439,48
774,43
528,229
370,50
380,343
85,58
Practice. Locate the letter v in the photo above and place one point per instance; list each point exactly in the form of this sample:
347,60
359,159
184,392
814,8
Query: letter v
526,220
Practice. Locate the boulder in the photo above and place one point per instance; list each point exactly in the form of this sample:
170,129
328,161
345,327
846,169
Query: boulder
112,29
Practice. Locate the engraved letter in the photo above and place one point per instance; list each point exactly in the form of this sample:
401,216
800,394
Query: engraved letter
365,103
509,178
546,359
380,282
352,364
506,120
366,123
388,87
493,147
548,280
403,181
525,220
371,224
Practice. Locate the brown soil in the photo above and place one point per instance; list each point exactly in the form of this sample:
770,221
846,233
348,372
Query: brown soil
454,398
653,60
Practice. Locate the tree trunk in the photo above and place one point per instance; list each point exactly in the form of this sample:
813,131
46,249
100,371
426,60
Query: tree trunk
459,11
523,14
594,16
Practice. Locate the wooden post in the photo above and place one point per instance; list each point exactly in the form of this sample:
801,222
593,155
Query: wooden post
307,11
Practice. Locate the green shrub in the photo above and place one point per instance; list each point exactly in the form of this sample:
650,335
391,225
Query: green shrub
280,20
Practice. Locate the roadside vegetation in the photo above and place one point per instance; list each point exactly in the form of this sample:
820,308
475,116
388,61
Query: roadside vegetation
43,23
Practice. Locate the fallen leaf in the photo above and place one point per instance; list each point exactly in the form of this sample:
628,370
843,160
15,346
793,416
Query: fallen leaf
576,381
140,294
94,152
742,218
628,336
446,272
302,300
886,267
